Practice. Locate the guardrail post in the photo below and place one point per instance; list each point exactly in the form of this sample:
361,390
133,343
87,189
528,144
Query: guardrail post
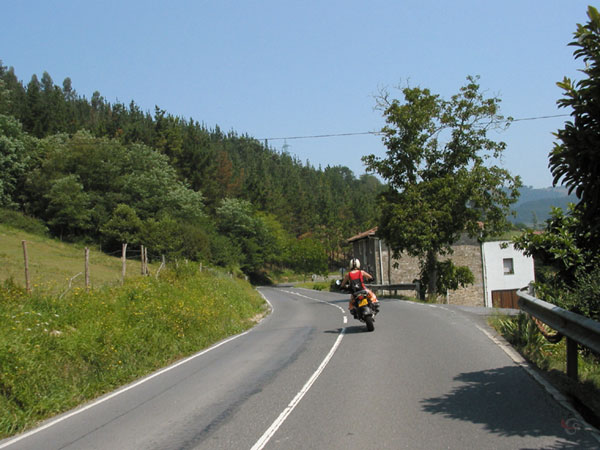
579,330
572,359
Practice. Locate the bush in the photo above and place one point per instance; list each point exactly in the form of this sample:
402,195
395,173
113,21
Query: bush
584,299
20,221
522,332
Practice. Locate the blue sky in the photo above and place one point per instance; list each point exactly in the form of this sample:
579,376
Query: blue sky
281,68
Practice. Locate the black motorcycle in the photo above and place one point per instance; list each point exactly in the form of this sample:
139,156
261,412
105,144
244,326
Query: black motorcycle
364,310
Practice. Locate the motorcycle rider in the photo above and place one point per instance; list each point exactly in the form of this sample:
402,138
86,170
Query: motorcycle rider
355,279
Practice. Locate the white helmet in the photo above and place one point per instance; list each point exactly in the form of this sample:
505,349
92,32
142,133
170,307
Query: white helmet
354,264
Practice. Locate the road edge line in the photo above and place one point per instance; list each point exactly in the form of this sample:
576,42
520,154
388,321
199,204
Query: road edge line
67,415
554,393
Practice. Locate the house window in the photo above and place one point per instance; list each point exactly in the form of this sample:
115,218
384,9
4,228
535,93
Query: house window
509,268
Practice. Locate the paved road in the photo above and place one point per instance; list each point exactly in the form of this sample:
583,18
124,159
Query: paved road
426,378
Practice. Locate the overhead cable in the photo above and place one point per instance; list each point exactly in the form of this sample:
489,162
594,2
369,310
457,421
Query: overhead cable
318,136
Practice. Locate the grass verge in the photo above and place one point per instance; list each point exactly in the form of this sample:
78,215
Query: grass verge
522,333
58,352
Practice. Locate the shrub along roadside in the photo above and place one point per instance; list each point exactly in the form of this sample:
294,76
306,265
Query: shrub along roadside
57,353
522,333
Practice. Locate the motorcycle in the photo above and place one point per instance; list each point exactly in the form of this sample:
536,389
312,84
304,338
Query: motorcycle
364,309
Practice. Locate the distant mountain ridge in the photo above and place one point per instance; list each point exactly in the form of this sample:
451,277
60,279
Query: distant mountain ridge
534,205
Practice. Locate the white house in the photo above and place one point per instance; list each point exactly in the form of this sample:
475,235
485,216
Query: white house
505,269
498,268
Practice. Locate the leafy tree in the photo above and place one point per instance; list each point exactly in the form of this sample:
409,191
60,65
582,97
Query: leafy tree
149,182
4,94
450,277
585,297
308,256
238,220
176,239
159,164
277,241
123,227
224,251
96,163
14,158
567,251
558,248
14,101
566,270
161,237
68,207
196,242
441,181
112,173
575,160
35,120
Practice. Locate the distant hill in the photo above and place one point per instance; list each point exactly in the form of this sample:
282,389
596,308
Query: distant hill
534,205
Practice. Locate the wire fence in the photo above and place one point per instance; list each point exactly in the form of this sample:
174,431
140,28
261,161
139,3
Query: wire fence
90,268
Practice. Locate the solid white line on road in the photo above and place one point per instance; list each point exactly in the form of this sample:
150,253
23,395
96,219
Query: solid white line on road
555,393
321,301
290,407
127,388
264,439
119,392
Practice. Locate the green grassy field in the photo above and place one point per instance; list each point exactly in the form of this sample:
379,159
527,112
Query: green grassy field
52,264
62,347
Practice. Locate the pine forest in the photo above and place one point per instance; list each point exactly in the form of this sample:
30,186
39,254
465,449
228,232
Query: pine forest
106,173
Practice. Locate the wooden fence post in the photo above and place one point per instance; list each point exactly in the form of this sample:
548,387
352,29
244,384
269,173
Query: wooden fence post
87,269
123,262
146,271
161,266
142,260
26,258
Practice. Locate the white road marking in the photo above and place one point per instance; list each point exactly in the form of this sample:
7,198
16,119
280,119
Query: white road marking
119,392
558,396
267,435
125,389
292,405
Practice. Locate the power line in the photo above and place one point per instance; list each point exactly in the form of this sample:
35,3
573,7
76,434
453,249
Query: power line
319,136
316,136
540,117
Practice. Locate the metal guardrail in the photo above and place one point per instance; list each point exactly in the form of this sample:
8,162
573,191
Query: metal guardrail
578,330
396,287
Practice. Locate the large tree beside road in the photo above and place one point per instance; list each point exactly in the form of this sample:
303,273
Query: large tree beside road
568,251
575,161
442,180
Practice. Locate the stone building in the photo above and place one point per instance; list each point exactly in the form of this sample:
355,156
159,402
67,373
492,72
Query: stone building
498,271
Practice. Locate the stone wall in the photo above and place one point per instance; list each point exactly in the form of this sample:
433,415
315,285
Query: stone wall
467,252
402,270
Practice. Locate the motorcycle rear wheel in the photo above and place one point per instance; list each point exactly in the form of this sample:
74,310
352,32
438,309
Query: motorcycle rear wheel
369,322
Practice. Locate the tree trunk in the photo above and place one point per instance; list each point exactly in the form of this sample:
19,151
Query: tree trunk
432,275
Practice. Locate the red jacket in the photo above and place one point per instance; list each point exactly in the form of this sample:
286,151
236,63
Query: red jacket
357,282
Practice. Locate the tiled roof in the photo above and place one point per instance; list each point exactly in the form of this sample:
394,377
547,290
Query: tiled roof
363,235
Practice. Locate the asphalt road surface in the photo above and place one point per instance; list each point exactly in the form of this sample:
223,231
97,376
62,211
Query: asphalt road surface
311,377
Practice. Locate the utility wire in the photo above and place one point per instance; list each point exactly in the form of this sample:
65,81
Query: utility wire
318,136
541,117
